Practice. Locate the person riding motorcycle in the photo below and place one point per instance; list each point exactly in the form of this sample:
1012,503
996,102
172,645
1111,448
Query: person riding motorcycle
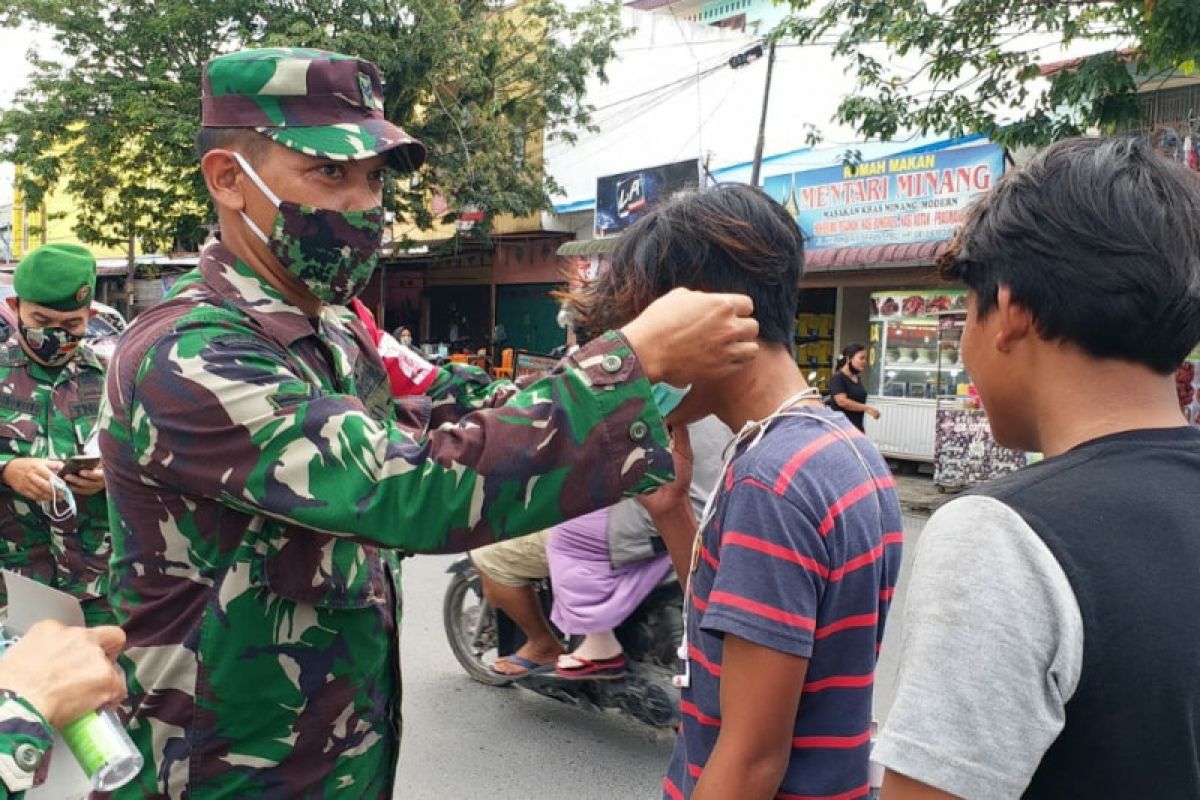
601,567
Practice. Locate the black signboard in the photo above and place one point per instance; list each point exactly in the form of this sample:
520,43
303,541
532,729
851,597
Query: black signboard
623,199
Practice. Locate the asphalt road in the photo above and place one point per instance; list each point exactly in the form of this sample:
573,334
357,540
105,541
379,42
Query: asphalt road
465,740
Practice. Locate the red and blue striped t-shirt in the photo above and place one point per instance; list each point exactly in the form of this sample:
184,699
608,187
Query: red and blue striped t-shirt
799,557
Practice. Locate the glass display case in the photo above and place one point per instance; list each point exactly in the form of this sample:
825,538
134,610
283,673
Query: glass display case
964,451
903,359
904,378
954,385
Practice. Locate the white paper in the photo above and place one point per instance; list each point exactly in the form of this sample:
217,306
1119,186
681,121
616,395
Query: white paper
30,602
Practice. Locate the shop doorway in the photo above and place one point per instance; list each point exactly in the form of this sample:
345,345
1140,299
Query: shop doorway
815,326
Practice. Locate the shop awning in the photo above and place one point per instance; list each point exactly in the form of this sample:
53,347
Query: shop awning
589,247
912,254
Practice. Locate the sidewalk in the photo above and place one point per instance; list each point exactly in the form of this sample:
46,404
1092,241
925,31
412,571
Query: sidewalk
918,494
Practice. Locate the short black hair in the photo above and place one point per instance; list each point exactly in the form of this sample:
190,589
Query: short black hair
1100,240
729,238
247,141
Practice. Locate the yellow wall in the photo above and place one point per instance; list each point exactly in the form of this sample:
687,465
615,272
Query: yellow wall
51,223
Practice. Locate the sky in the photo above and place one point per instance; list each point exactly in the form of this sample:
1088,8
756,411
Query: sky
14,71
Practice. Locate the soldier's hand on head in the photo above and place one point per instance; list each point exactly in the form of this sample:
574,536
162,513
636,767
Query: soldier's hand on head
87,482
685,336
30,477
65,672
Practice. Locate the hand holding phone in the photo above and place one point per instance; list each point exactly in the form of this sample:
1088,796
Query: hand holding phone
77,464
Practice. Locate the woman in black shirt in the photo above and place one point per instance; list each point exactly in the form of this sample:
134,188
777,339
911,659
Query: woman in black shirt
846,392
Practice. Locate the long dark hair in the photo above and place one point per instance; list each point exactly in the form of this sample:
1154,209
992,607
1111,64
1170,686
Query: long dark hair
849,352
730,238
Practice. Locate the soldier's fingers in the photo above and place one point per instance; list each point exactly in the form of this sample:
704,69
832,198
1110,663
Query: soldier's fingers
741,352
110,638
53,466
37,487
118,691
743,329
741,304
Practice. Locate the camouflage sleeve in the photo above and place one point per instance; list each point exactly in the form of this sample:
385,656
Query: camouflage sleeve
578,439
460,389
5,460
7,454
25,738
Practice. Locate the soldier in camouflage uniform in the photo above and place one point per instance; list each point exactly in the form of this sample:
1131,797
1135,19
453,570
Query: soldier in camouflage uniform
50,388
49,679
262,485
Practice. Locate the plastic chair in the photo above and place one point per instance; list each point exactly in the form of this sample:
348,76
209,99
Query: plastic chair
505,370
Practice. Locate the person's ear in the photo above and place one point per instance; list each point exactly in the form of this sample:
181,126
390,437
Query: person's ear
1014,322
224,178
12,302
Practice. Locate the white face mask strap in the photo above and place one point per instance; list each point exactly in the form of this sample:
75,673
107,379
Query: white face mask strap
262,187
59,488
849,442
683,680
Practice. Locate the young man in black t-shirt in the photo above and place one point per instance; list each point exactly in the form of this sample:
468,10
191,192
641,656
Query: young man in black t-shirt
1051,644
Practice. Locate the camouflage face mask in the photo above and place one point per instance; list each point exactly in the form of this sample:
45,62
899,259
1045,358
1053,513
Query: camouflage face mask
51,346
333,253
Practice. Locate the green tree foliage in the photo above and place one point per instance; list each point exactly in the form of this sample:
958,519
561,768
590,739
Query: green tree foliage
112,117
976,65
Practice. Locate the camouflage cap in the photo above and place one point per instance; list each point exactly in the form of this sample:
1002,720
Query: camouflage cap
57,276
322,104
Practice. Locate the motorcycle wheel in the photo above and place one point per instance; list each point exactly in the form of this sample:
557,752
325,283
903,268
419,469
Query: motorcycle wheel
470,625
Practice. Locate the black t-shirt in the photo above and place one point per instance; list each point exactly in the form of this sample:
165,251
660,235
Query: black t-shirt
854,390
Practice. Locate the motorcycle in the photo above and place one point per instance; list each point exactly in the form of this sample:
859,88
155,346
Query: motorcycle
479,634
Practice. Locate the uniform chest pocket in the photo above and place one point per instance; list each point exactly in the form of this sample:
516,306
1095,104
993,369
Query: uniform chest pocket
19,434
326,571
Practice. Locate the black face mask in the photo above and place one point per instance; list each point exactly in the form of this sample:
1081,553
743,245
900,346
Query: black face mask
53,346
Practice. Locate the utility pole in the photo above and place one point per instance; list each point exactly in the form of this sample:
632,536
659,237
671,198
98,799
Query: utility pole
762,122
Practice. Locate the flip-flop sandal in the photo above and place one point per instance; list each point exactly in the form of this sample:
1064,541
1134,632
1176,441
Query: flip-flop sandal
529,668
605,669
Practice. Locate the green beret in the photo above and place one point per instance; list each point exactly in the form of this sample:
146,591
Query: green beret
57,276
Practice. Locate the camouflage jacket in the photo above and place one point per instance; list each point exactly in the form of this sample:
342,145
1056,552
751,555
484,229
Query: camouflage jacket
260,488
49,413
25,739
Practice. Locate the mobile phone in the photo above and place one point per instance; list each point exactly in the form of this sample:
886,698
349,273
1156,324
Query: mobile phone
76,464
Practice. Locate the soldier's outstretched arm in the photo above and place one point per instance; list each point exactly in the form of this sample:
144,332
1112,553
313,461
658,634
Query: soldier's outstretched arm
686,335
219,412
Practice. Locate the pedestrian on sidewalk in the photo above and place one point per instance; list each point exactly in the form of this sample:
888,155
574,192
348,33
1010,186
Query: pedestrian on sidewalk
1051,643
846,391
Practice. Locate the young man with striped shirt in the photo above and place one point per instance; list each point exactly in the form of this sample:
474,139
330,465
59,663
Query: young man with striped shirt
790,572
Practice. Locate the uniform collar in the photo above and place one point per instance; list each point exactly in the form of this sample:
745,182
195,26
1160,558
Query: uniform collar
14,355
237,283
